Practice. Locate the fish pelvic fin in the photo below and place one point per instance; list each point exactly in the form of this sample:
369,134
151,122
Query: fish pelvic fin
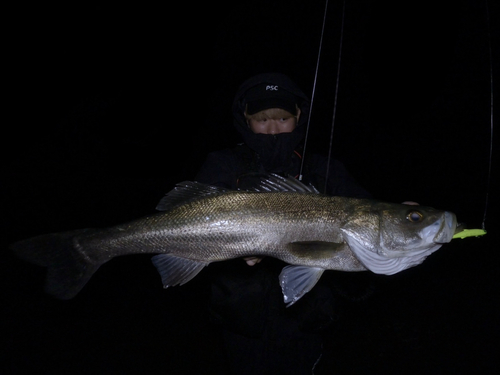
296,281
68,267
175,270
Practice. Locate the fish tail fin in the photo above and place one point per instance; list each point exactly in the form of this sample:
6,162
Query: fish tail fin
68,267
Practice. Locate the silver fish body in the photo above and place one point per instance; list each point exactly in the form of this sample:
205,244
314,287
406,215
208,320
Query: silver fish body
201,224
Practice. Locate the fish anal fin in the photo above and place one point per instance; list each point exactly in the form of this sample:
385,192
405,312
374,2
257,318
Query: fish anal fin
296,281
175,270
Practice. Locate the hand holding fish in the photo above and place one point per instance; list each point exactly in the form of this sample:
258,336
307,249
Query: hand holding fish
252,261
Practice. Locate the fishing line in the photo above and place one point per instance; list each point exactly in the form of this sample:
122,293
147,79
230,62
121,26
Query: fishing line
313,90
480,232
488,182
335,97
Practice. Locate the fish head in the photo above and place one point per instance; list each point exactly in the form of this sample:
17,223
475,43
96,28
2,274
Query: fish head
408,229
388,238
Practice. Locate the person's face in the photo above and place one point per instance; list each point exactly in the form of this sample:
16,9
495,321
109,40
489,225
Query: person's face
273,125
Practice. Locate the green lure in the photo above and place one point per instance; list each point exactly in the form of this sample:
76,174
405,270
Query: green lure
470,233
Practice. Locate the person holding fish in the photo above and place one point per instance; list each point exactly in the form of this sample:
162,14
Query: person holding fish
262,336
247,203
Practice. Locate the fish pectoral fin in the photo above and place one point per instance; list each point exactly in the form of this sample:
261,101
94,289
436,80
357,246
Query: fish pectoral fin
176,271
296,281
315,249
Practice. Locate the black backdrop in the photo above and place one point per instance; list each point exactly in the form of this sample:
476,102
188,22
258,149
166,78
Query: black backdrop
113,104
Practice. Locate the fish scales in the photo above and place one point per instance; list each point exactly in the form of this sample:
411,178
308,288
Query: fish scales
211,227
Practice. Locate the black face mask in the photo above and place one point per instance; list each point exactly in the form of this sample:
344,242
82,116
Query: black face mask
275,151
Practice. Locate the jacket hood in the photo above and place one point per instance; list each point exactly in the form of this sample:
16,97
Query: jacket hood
274,150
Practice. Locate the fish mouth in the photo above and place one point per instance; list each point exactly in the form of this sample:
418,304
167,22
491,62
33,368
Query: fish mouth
460,228
447,227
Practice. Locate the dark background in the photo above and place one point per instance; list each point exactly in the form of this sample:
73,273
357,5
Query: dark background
113,104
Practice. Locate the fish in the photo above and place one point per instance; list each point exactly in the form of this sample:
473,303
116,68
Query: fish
199,224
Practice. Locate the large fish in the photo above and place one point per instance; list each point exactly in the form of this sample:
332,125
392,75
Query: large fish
200,224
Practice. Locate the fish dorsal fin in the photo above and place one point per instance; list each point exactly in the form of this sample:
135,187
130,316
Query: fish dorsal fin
276,183
176,271
186,191
296,281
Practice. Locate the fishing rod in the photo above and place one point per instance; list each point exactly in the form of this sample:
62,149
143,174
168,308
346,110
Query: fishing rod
314,91
335,97
488,182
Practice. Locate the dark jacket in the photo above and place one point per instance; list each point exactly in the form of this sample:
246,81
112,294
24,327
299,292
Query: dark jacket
282,153
247,301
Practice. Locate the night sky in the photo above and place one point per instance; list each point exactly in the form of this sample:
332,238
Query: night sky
114,104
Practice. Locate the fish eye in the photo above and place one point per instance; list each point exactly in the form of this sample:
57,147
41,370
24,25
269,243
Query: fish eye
414,216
